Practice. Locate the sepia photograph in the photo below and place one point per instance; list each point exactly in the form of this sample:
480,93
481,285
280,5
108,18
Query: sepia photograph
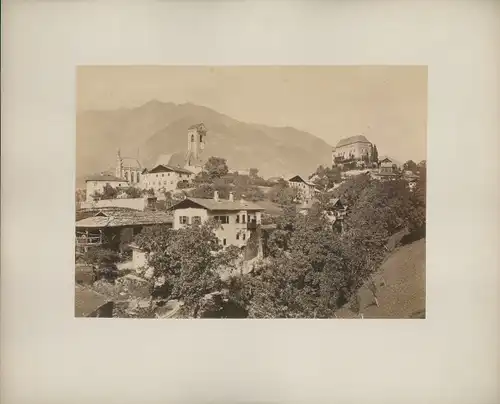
251,192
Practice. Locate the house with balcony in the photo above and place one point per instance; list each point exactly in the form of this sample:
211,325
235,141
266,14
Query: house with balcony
307,189
115,228
239,220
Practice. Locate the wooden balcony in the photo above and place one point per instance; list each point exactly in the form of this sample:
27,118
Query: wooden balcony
252,225
86,240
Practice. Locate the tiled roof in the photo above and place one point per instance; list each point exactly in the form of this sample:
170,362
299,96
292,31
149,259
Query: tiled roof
353,139
124,217
221,204
105,177
87,301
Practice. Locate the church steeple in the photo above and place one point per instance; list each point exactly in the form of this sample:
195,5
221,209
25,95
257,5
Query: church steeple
196,144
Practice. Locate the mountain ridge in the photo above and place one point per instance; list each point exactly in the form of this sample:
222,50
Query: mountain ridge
157,127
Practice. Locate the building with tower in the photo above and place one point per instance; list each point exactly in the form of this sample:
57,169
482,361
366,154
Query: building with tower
128,169
196,144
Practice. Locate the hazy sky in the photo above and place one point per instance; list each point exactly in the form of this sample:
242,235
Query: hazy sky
387,104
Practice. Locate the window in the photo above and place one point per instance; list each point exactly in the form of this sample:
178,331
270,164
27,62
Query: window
138,177
224,242
196,220
132,177
243,217
222,219
201,138
237,236
156,175
183,219
126,176
237,218
244,236
163,175
192,138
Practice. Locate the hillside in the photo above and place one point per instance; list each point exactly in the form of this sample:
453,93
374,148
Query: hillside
403,295
157,128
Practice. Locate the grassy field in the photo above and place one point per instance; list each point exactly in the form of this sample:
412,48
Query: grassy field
400,286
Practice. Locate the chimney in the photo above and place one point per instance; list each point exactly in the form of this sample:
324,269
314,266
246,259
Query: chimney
216,196
231,196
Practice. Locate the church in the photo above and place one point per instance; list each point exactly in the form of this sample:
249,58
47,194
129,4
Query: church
169,168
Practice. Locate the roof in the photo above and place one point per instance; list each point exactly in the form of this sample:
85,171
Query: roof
352,139
131,162
298,178
198,126
173,159
221,204
87,301
123,218
165,167
104,177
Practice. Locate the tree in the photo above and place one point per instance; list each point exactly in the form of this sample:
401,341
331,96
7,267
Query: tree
216,167
254,173
109,192
185,263
133,192
103,261
410,165
374,154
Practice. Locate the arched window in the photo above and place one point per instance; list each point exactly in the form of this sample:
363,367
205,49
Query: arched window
192,138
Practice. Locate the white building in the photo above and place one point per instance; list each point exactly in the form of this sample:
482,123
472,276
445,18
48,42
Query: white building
354,147
238,219
307,189
164,178
96,183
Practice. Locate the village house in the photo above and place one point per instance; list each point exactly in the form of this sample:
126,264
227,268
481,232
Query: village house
115,228
387,170
95,185
164,178
238,219
351,148
307,189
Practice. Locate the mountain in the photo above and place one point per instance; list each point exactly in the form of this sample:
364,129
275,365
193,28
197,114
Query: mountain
157,128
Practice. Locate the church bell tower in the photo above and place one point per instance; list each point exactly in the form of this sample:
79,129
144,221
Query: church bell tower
196,144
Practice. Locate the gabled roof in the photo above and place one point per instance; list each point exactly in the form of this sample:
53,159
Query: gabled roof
298,178
87,301
104,177
220,205
161,168
123,218
352,139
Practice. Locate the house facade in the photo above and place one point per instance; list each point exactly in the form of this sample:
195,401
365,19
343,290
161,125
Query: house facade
307,189
164,178
95,184
238,219
387,170
351,148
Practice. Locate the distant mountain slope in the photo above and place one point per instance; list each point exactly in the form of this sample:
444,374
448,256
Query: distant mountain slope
158,128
